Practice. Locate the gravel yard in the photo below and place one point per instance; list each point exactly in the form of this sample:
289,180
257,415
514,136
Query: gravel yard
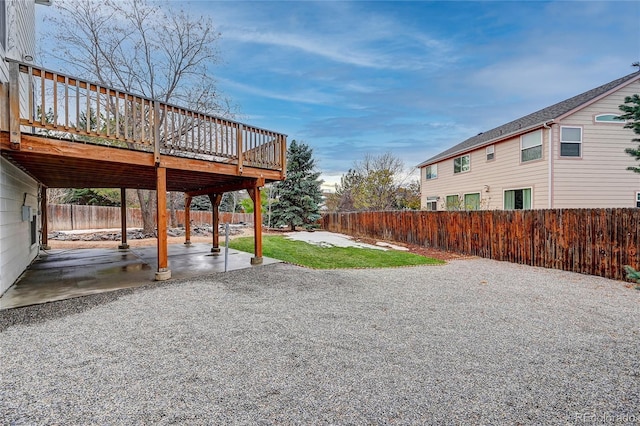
471,342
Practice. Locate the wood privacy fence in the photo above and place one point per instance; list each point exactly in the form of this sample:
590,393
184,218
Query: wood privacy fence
67,217
589,241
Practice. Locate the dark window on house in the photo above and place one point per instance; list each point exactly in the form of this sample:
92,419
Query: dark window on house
570,141
531,146
462,164
517,199
34,230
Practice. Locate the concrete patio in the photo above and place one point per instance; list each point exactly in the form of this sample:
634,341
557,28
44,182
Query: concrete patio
65,274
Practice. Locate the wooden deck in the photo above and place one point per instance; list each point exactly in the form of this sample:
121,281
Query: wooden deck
71,133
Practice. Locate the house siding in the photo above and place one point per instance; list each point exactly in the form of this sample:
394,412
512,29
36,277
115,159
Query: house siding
599,179
20,40
502,173
16,251
16,187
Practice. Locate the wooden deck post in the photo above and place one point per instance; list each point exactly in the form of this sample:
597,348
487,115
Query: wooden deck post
254,193
14,105
164,273
239,148
44,239
187,219
123,218
215,204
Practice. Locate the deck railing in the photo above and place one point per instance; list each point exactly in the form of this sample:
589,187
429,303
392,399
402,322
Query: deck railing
67,107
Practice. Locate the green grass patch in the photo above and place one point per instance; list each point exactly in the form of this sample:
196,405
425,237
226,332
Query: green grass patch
313,256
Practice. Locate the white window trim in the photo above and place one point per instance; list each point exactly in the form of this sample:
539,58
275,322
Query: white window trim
638,199
428,167
461,169
490,150
541,145
595,118
515,188
561,142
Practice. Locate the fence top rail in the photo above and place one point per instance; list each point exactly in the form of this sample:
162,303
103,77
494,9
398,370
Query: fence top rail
27,68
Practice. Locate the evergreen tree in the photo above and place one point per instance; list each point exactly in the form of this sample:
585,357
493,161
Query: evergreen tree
299,194
632,114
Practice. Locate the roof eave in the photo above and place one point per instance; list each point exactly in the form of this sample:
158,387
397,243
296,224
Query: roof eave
501,138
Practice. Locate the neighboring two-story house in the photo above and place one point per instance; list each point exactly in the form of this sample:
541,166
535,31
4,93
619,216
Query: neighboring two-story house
568,155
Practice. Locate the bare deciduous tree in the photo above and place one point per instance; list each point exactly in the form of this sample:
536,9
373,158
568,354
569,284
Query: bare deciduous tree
142,47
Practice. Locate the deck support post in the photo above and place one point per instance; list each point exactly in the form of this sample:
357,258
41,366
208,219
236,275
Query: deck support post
14,105
44,239
164,273
187,219
123,218
216,199
254,193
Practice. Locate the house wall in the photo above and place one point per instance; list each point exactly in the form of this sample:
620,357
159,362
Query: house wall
20,32
16,248
16,188
599,178
502,173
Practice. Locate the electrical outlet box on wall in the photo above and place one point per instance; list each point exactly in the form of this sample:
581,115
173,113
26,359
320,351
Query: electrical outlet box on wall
26,213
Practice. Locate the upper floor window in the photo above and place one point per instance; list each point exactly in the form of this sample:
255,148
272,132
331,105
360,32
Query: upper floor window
431,172
570,141
462,164
608,118
531,146
491,152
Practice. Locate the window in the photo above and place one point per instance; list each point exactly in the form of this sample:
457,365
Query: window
517,199
431,172
34,230
461,164
570,141
472,201
452,202
491,152
431,205
531,146
638,199
608,118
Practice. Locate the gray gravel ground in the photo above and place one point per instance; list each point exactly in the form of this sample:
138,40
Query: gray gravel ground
472,342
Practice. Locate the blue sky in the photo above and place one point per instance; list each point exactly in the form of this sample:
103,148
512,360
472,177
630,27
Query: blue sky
412,78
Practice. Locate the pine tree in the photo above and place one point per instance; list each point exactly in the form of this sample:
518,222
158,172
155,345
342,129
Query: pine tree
299,194
632,114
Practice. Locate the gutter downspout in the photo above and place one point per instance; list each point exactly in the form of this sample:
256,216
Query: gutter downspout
547,126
